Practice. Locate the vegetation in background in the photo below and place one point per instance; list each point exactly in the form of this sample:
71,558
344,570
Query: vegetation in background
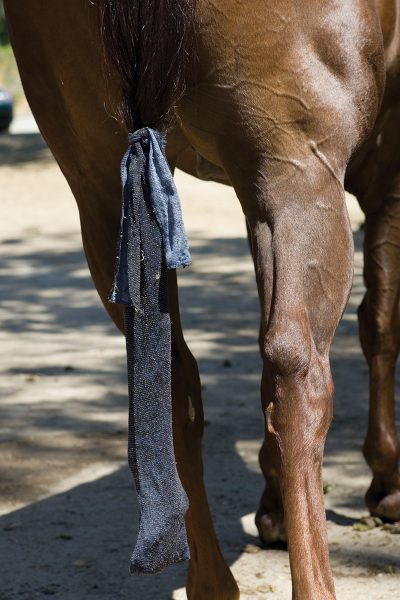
4,39
9,77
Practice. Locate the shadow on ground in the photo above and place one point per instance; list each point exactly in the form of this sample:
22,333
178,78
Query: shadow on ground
88,531
16,150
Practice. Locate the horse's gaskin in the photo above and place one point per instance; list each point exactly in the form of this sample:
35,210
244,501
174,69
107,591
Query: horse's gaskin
152,239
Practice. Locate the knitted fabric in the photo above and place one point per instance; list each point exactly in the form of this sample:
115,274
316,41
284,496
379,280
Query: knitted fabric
152,239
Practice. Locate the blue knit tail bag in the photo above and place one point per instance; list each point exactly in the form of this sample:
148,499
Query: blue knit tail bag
152,239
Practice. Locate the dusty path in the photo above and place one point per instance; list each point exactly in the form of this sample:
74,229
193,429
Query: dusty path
67,507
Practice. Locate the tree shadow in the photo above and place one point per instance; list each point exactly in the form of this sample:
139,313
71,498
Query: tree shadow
19,149
88,531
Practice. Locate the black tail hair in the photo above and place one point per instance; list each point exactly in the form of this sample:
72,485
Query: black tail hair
147,43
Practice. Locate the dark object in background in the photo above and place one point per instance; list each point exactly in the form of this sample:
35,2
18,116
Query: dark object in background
6,109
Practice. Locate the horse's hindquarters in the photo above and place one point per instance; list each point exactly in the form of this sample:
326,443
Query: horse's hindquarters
270,75
283,98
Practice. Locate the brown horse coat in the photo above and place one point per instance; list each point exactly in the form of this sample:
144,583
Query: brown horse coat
284,101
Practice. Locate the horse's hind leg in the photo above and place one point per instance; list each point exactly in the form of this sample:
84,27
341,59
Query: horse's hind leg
69,105
209,577
379,318
289,180
304,267
269,517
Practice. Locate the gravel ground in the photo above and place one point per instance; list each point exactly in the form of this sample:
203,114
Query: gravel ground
67,508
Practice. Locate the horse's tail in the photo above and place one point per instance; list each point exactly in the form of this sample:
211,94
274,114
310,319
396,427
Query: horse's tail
147,43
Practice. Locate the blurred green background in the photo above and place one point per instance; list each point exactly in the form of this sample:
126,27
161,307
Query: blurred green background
9,77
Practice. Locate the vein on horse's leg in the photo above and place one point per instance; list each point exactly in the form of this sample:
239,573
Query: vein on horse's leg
325,161
281,94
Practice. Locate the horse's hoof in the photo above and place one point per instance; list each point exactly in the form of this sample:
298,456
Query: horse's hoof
385,506
271,527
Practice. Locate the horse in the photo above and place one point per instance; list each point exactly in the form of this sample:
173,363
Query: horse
291,103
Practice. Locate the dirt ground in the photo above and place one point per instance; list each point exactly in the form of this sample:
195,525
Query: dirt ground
67,507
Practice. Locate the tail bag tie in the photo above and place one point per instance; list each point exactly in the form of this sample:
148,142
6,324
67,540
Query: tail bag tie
152,239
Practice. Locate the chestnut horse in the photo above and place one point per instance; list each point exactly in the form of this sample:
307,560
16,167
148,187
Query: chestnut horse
290,102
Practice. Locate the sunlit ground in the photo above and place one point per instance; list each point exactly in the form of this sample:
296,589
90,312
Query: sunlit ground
68,510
